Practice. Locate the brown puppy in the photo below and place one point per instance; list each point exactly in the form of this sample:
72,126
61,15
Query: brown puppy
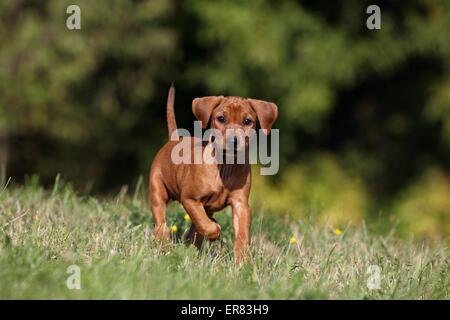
205,188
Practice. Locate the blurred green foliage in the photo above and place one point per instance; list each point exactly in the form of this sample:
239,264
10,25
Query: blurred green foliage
424,207
364,115
318,186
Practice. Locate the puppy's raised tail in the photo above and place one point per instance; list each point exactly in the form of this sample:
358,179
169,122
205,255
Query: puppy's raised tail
171,121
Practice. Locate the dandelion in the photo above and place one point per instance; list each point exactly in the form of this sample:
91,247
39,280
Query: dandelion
174,229
186,217
337,232
293,240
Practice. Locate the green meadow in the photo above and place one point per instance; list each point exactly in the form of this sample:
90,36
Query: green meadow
110,239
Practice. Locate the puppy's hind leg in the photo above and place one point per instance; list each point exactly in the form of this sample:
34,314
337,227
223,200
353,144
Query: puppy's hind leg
193,237
159,198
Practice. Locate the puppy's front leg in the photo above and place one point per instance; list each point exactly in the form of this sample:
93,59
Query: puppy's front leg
242,219
203,224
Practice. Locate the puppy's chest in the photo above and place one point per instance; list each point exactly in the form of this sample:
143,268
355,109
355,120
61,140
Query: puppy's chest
216,185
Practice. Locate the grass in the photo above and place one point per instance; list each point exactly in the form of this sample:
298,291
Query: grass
42,233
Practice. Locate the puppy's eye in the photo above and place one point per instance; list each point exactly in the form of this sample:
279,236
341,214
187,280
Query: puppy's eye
221,119
247,122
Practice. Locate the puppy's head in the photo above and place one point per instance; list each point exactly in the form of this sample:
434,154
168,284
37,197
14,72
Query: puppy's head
234,117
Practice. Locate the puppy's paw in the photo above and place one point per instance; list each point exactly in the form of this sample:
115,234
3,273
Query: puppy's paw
162,233
213,231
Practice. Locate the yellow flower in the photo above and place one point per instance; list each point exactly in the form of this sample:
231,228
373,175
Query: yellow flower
186,217
337,232
174,229
293,240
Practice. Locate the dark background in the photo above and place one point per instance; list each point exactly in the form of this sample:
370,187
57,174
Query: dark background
364,114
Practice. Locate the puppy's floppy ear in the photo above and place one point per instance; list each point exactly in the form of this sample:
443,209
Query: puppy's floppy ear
267,113
203,107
